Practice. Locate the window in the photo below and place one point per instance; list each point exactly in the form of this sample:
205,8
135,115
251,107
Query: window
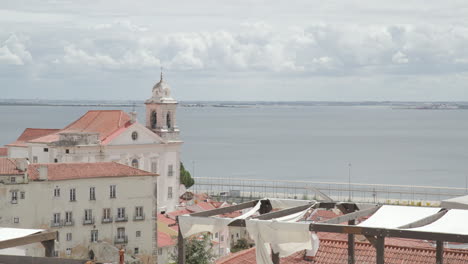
135,163
22,195
154,119
56,218
222,238
72,195
57,192
237,235
139,213
121,212
68,251
136,251
134,135
46,149
13,179
121,232
55,160
170,170
34,159
14,197
92,193
168,120
169,192
112,191
138,234
159,251
106,213
88,214
67,151
16,220
94,235
69,236
68,217
154,166
216,235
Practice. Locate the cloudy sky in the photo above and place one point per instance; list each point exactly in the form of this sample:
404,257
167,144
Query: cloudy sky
235,50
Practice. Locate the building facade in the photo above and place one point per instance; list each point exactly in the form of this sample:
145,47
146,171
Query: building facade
90,205
113,135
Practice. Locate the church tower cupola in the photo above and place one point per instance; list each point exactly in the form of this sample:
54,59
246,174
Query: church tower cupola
161,112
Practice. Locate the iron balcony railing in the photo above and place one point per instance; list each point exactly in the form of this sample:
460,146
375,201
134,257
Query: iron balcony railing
107,220
88,221
121,239
139,217
122,218
56,223
69,222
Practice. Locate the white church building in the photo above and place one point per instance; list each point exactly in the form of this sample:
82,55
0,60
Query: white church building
116,136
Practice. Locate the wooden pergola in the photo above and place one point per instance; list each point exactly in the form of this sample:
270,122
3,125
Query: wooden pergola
351,212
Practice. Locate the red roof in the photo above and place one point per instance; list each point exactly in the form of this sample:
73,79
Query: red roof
30,134
3,152
336,252
165,240
105,122
9,167
69,171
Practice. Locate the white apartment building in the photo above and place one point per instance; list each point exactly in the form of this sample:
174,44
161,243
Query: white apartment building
113,135
88,204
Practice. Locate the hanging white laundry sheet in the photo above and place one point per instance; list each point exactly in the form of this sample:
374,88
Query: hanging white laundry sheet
190,225
285,238
392,216
287,203
454,221
250,212
294,217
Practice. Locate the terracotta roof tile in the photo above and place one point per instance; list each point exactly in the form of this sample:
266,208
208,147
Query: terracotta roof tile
165,240
9,167
104,122
336,252
30,134
3,152
68,171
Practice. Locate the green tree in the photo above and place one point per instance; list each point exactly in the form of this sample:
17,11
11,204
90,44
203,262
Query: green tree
185,177
197,251
241,244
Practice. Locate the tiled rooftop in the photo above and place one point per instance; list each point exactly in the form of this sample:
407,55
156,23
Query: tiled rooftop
30,134
69,171
3,152
9,167
336,252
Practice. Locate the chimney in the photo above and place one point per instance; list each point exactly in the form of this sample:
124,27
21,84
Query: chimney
43,172
133,117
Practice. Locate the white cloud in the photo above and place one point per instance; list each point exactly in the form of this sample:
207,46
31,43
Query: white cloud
400,58
13,52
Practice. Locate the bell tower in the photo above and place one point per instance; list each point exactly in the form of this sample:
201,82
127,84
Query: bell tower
161,112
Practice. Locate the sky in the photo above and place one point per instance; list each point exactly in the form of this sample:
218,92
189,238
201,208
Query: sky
243,50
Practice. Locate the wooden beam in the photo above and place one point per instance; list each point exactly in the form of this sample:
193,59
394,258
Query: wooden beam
380,250
283,212
371,231
351,254
35,238
426,220
351,216
180,248
225,210
439,252
372,240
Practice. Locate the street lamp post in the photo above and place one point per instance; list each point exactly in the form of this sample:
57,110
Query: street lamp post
349,182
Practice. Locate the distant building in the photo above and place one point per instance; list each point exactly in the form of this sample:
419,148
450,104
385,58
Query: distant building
113,135
90,205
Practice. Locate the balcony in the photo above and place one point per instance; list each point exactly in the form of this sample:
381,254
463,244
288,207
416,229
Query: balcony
58,223
88,221
139,217
15,201
122,218
122,239
107,220
69,222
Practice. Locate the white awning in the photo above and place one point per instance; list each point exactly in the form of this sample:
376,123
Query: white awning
12,233
455,203
392,216
454,222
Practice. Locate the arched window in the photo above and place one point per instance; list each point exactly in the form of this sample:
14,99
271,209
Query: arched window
154,119
135,163
168,119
